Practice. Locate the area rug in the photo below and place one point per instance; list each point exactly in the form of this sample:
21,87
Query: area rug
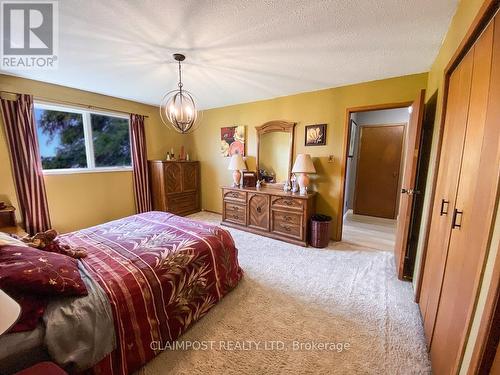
339,310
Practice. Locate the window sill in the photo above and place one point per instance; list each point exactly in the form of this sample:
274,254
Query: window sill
86,170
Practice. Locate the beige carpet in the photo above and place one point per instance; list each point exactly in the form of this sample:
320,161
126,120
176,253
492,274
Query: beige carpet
292,295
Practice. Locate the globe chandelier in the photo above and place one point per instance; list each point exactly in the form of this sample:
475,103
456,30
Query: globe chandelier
178,107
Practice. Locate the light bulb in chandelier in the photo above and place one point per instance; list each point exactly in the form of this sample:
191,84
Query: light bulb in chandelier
178,107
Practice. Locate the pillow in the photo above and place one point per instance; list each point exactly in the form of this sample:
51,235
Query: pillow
25,269
7,239
32,309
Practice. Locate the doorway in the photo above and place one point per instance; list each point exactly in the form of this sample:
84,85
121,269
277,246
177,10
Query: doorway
373,176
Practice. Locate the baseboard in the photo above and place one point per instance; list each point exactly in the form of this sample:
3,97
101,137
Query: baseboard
212,212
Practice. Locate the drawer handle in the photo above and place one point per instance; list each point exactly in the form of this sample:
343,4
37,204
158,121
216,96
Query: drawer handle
455,217
259,209
236,208
235,216
286,227
442,211
234,195
287,218
288,202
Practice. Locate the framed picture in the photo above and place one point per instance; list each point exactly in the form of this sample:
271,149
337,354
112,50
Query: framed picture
352,137
232,140
315,135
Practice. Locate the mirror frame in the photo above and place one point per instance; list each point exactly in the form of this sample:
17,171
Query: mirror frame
276,126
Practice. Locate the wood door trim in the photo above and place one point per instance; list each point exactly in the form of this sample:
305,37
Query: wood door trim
345,153
361,128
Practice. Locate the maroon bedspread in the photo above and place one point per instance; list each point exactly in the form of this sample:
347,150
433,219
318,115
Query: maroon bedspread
161,273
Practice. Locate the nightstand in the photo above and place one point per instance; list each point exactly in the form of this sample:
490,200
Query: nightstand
16,229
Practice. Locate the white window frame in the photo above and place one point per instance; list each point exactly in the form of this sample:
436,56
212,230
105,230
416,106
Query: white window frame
87,133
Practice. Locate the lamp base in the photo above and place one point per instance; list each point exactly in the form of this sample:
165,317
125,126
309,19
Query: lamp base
236,178
303,181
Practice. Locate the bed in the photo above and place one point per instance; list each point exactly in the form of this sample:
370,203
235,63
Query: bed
150,277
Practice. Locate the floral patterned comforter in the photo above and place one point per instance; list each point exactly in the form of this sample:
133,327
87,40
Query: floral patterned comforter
161,274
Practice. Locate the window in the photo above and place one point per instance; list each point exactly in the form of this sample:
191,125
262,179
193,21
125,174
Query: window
78,140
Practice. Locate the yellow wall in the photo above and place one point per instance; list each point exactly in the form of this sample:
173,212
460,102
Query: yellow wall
84,199
325,106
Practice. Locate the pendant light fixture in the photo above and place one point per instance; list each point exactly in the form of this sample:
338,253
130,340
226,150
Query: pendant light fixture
178,107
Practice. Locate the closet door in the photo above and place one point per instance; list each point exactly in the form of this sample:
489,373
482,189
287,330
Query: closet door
472,216
446,190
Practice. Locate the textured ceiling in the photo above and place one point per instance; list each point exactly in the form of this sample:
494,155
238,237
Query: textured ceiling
241,50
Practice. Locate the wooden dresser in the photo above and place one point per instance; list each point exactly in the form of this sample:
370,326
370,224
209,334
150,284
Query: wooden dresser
269,212
175,186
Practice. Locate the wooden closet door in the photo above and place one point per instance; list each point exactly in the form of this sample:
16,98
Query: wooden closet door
446,190
473,214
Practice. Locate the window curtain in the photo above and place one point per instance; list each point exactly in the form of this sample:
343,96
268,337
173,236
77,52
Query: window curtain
19,122
140,165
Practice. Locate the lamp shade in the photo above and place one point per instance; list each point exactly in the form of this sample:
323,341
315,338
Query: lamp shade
9,313
237,163
303,164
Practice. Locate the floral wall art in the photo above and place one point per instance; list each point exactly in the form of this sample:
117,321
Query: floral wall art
232,140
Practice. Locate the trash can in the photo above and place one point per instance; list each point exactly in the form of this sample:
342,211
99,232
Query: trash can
320,230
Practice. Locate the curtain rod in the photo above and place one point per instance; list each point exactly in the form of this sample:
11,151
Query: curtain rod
54,101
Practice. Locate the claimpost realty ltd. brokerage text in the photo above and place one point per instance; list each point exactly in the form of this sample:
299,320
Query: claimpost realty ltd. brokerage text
252,345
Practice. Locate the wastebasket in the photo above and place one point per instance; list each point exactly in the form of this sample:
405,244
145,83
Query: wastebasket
320,230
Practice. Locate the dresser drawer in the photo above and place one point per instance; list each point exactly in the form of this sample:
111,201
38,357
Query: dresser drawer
288,203
287,217
286,229
235,213
236,196
179,203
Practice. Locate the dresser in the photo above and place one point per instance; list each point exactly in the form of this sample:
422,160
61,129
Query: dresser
269,212
175,186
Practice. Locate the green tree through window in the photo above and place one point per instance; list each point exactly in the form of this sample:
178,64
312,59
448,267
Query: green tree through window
62,138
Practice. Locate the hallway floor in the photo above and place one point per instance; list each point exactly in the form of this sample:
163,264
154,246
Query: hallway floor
369,232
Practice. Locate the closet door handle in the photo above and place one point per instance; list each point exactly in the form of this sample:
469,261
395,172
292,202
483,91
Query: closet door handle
443,212
455,217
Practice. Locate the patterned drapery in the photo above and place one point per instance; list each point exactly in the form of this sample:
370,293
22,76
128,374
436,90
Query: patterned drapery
139,163
19,122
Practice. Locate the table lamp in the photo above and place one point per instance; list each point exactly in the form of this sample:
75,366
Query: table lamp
9,312
303,165
237,164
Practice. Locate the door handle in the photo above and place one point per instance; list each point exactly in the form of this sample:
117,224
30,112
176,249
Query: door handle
455,217
410,191
442,211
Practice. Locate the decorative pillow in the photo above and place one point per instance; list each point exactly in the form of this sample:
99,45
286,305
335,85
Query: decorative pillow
7,239
25,269
32,309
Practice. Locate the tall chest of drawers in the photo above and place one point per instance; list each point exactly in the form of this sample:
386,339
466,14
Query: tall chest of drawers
175,186
269,212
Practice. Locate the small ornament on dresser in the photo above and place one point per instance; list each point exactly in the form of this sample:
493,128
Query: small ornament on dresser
258,184
182,154
168,156
187,157
286,186
295,187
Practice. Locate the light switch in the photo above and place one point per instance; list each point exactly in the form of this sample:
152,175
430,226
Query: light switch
331,159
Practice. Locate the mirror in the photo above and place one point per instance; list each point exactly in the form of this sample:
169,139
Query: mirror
275,152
